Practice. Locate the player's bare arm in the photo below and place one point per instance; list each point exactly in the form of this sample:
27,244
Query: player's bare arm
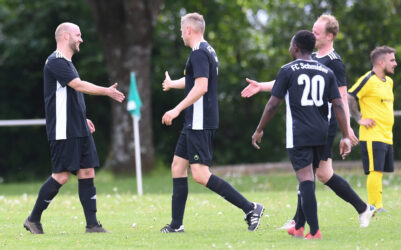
269,112
356,114
345,143
344,98
92,89
198,90
255,87
172,84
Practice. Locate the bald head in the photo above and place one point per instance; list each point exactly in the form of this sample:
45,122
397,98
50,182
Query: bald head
68,38
63,28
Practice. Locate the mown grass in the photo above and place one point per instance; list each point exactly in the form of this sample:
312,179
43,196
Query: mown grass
210,222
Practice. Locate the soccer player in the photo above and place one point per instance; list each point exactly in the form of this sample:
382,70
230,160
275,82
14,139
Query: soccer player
307,86
195,143
72,147
374,93
325,30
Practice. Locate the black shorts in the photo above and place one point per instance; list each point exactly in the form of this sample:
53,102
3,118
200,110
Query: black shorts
196,146
73,154
377,156
303,156
327,151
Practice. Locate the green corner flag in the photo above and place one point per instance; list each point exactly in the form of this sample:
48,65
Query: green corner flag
134,101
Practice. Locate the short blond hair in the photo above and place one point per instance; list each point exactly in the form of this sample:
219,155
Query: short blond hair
332,25
378,52
195,20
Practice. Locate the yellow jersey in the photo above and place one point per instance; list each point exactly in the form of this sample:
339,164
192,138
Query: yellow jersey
376,100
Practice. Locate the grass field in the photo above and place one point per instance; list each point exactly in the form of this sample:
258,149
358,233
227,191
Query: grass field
210,222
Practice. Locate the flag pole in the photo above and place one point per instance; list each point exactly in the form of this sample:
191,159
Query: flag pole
137,155
134,107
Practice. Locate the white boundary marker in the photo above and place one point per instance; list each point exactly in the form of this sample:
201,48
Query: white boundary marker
28,122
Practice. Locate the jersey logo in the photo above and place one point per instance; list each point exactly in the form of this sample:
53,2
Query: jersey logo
387,100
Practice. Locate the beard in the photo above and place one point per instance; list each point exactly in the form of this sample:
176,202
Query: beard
388,73
73,46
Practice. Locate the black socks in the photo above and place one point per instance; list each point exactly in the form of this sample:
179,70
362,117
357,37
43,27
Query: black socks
299,217
345,192
46,194
178,201
228,192
309,206
87,196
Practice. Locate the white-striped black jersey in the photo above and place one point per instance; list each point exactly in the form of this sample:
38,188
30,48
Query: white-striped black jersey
333,61
204,113
64,107
307,86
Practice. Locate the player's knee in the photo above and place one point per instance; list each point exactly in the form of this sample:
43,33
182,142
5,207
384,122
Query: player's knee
178,171
61,178
324,175
199,178
86,173
201,174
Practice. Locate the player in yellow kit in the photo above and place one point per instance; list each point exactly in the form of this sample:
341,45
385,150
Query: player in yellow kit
374,93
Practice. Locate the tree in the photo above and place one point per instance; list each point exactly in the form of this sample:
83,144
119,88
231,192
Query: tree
251,38
126,29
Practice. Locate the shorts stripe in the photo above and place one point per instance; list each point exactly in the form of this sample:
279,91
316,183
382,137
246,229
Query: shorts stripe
377,156
370,155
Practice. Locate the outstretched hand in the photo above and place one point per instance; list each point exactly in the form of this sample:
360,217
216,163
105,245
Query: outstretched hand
252,88
115,94
166,85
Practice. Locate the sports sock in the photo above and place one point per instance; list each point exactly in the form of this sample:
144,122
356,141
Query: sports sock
300,217
374,187
309,205
87,196
342,188
46,194
228,192
178,201
297,211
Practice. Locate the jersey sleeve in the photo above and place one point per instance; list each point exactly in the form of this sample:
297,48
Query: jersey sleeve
333,92
62,71
200,64
280,86
338,68
359,89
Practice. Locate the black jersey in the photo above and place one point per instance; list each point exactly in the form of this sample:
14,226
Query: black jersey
334,62
204,113
307,87
64,107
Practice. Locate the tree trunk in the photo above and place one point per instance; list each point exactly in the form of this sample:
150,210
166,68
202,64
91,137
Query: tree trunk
125,28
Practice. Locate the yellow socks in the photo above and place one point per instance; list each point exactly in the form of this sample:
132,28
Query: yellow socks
375,188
